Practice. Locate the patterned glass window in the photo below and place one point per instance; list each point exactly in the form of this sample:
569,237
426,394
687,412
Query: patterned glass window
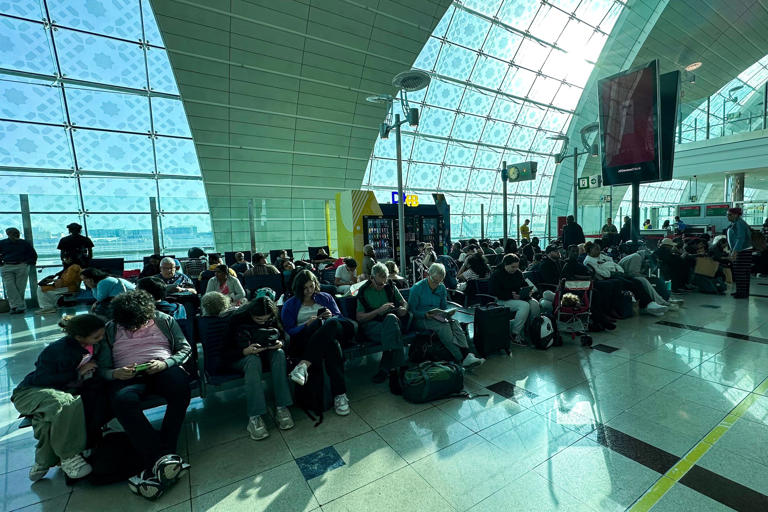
92,128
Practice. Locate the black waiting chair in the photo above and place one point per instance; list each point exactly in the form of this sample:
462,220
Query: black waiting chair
229,257
112,266
253,283
312,251
273,254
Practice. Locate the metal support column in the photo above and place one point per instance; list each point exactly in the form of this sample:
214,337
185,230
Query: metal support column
328,225
610,203
549,225
765,106
708,114
518,222
575,183
504,200
482,221
635,217
26,228
252,225
400,194
155,226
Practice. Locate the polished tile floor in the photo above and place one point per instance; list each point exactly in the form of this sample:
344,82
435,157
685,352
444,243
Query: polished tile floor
566,429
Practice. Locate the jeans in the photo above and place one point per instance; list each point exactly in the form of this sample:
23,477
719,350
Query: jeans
15,283
251,366
173,385
58,423
450,334
388,334
524,310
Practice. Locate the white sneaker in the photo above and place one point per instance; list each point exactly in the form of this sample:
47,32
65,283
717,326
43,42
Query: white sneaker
284,419
257,429
471,361
341,405
655,309
299,374
37,472
76,467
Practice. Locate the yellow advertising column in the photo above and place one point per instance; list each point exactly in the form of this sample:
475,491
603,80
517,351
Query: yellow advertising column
351,207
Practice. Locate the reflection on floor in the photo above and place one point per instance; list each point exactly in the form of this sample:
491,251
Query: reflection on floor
564,429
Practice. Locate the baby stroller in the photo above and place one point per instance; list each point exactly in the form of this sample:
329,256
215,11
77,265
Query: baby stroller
572,317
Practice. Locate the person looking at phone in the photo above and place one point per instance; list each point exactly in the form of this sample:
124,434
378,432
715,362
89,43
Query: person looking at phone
382,314
225,284
505,284
430,294
313,321
255,339
141,355
346,275
175,282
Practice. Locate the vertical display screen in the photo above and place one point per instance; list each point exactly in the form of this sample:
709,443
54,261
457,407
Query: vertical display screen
629,126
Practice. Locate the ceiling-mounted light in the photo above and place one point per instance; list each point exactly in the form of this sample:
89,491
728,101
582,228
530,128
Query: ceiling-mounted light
413,117
693,66
560,156
384,130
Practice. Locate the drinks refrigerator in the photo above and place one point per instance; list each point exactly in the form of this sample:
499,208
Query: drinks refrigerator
422,224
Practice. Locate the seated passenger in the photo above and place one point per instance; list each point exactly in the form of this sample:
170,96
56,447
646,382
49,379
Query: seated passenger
672,266
550,269
254,338
141,355
394,275
316,327
260,266
152,268
214,260
156,288
215,304
486,248
497,249
476,268
382,315
635,266
105,288
175,282
50,396
505,284
608,270
288,271
226,284
322,259
430,294
720,252
455,251
369,260
240,266
346,275
53,287
196,263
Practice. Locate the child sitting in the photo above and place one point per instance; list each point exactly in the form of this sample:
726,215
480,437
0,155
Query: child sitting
47,396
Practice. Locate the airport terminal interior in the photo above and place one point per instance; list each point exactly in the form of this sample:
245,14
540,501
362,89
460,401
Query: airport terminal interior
545,279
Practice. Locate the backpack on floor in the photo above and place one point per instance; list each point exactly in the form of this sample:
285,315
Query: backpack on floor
625,307
491,329
114,459
426,346
541,332
431,381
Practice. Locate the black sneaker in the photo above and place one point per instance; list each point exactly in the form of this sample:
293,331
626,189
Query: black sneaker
168,469
146,485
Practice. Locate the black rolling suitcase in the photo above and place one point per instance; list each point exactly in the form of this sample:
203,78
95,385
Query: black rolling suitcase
491,329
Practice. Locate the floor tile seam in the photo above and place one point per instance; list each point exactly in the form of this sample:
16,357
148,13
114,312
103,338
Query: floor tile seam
718,382
338,442
445,498
641,504
216,445
393,421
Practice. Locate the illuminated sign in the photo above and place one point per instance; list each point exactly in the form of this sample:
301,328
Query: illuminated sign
410,199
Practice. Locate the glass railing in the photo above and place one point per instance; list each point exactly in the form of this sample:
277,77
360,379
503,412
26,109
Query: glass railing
720,117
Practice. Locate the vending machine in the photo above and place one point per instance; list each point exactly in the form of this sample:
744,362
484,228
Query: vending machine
380,233
423,223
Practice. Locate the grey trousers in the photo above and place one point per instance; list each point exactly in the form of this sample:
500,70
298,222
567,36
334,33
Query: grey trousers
58,422
48,300
387,332
451,335
251,366
15,279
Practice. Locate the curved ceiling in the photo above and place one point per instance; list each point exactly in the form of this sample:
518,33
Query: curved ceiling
275,95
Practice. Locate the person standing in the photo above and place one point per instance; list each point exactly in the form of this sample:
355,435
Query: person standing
740,242
572,233
680,225
609,228
16,256
525,230
626,230
76,245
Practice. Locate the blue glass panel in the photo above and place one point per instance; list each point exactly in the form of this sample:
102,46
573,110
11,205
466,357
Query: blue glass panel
121,235
117,18
496,132
31,9
31,100
115,152
428,55
24,46
151,31
455,62
25,145
108,110
454,178
182,195
468,30
100,59
481,179
488,158
467,127
47,192
160,74
502,43
459,154
489,72
487,7
384,173
169,117
477,102
435,121
117,194
506,110
182,231
428,151
176,156
519,13
444,94
423,175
